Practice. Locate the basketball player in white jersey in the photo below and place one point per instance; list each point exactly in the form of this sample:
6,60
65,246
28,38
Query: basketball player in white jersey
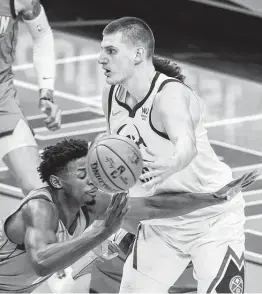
166,120
54,228
18,147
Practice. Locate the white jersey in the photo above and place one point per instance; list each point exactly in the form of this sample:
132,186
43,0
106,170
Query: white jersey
206,173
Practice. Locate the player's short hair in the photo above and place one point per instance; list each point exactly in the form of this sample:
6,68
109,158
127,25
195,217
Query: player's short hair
134,30
168,67
55,158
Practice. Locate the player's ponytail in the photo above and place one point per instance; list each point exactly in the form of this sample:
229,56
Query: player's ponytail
168,67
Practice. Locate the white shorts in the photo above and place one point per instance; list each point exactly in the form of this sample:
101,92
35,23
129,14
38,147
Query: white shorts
159,258
20,137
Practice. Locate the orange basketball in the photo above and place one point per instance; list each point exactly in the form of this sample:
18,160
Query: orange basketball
114,163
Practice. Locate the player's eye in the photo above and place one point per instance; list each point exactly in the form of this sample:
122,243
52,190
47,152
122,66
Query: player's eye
111,51
81,174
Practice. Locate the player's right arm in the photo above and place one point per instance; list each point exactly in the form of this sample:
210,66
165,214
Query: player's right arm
46,254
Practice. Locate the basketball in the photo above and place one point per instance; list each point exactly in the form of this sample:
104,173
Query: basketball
114,163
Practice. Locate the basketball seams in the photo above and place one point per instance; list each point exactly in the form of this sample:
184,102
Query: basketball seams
99,144
122,140
97,156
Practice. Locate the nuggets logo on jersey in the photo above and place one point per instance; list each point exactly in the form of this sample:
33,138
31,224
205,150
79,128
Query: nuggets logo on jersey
134,134
230,277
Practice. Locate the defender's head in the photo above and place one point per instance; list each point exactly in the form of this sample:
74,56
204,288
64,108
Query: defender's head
126,43
63,167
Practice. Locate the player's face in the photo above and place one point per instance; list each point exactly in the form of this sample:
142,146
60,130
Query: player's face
77,183
117,58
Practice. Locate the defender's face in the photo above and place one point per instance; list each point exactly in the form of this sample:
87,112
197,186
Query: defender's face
76,182
117,58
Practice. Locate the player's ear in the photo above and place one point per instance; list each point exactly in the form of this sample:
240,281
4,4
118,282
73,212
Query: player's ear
140,55
55,182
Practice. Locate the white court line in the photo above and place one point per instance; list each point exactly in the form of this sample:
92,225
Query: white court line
252,193
252,203
252,217
92,101
253,232
59,61
64,112
235,120
68,134
235,147
222,5
7,189
256,256
247,167
80,23
74,124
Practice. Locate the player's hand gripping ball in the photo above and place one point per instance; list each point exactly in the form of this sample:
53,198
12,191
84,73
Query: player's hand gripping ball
114,163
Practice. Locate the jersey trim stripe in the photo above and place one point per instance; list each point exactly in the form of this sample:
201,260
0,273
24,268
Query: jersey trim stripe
110,99
12,6
161,134
132,112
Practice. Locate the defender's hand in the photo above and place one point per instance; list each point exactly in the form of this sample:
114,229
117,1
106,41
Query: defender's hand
52,111
234,187
116,212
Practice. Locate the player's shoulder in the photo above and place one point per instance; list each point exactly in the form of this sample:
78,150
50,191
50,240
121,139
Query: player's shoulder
173,91
39,208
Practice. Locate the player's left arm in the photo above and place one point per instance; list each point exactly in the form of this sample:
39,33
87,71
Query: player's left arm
172,105
34,16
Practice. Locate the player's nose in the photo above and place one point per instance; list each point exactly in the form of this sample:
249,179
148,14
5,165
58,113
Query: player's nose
102,59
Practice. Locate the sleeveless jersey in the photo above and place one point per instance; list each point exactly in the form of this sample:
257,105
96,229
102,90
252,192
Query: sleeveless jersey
206,173
8,39
16,273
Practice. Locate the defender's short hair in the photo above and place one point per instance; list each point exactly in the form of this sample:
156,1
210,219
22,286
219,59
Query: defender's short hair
134,30
55,158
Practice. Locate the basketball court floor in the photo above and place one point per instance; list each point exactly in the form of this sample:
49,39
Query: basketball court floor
234,121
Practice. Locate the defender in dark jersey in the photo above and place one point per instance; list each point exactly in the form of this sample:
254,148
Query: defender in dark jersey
18,148
56,227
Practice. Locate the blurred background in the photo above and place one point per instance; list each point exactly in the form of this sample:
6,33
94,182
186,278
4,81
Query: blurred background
218,45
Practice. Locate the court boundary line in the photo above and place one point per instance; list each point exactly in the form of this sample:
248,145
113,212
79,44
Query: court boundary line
254,217
254,203
244,10
79,99
73,133
64,112
252,193
74,124
65,60
232,121
79,23
253,232
236,147
246,167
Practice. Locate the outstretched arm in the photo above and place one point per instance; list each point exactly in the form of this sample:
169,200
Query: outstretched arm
46,254
33,15
166,205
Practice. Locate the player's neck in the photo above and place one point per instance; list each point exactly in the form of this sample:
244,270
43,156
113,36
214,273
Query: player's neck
139,84
66,206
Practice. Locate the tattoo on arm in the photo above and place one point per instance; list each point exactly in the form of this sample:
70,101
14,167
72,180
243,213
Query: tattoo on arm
33,11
